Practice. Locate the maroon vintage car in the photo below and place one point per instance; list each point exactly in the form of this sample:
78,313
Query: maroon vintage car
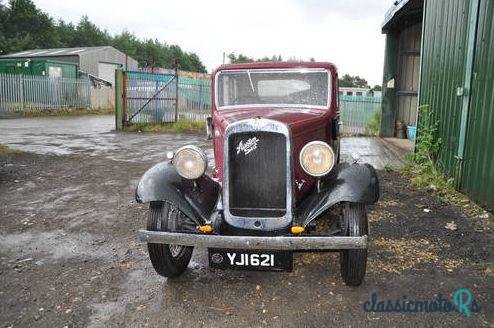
276,175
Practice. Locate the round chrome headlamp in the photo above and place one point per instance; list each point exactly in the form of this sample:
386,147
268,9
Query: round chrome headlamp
190,162
317,158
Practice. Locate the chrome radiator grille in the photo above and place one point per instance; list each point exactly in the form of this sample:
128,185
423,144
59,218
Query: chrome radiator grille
257,174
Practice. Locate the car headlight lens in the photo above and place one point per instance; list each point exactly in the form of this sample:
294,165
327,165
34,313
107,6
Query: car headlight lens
190,162
317,158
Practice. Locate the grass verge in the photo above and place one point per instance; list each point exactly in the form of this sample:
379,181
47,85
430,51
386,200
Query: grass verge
66,112
429,178
425,173
6,150
176,127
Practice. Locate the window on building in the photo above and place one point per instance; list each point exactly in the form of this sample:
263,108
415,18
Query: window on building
349,93
358,94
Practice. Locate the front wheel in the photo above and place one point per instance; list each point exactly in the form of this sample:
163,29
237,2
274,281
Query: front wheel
168,260
353,262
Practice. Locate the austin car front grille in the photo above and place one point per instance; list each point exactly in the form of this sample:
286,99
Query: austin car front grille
257,173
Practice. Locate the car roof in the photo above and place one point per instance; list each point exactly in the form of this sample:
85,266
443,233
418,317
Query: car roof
276,64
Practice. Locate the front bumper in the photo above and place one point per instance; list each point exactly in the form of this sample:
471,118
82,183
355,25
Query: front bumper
254,242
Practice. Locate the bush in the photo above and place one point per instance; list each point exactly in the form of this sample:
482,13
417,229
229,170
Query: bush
421,166
374,124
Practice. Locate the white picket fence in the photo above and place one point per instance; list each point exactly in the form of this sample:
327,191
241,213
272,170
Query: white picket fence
29,92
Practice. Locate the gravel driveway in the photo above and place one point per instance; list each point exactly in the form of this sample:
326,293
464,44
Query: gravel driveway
69,256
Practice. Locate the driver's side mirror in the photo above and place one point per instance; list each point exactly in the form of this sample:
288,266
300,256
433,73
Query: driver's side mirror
209,128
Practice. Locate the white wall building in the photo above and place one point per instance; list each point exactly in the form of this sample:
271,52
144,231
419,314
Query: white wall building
359,92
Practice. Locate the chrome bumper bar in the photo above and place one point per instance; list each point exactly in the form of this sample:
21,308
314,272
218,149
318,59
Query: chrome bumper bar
253,242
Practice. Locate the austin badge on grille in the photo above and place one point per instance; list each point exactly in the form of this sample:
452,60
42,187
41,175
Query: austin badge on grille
247,146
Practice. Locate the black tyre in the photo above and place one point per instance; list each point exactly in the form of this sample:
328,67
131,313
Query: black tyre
338,156
168,260
353,261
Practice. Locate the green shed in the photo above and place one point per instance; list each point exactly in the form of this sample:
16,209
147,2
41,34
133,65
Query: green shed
456,80
40,67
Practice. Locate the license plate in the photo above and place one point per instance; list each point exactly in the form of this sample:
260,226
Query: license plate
253,260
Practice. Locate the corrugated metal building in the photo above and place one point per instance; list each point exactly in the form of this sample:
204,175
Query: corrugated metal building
97,61
456,70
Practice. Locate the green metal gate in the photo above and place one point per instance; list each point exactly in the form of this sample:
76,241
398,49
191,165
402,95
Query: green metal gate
143,97
357,113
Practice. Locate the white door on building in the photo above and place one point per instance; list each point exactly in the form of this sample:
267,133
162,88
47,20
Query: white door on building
54,71
106,71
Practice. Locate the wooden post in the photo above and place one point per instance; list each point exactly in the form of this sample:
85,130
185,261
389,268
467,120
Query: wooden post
118,99
124,99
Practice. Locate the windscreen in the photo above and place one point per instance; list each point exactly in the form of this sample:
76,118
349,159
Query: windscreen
307,88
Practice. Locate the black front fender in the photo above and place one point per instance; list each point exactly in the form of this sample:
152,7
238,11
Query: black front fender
354,183
196,199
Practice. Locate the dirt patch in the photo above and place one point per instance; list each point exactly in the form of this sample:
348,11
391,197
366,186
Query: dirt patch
69,257
405,254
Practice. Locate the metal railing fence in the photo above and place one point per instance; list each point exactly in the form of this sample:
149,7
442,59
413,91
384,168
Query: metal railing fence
356,113
158,98
149,97
194,103
29,92
194,99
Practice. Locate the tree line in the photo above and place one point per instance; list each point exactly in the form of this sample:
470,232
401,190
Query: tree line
241,58
356,81
23,26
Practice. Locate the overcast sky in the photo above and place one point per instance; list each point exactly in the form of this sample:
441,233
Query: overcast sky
345,32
